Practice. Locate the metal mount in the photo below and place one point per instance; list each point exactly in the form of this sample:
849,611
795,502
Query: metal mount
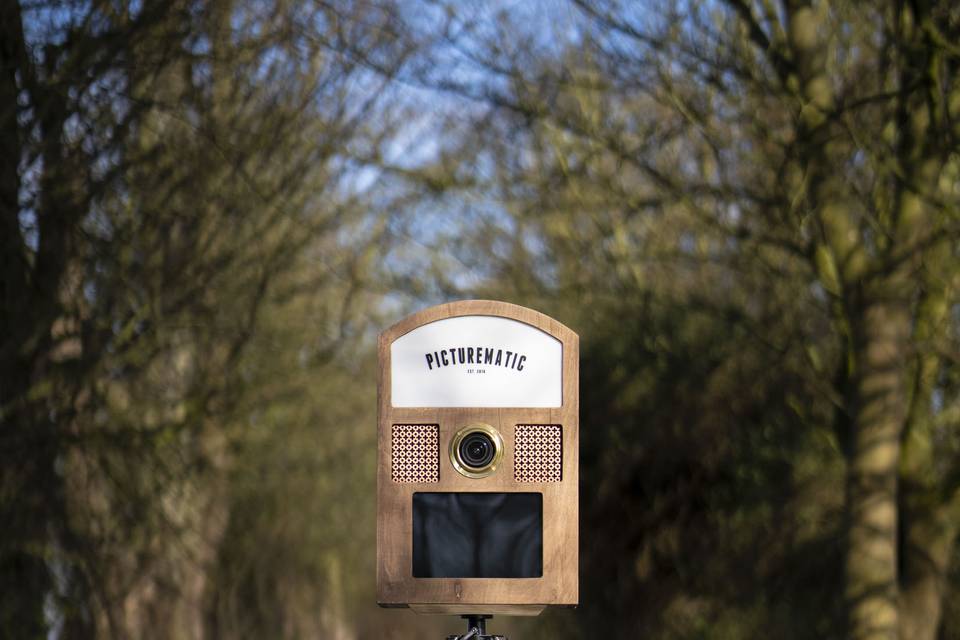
476,629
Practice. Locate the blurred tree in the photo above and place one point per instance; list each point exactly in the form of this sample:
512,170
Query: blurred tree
299,530
166,166
789,169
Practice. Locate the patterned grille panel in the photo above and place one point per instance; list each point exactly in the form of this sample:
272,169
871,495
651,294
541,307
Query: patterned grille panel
538,453
415,453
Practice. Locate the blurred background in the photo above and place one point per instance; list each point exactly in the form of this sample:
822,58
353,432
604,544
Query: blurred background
748,209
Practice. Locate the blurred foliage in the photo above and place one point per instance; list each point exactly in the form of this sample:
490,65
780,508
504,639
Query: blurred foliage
178,189
748,211
209,209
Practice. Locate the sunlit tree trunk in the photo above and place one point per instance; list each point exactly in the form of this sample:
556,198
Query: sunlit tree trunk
879,410
928,541
929,503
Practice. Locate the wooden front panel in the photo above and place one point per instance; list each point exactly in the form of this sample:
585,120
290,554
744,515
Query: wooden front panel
396,585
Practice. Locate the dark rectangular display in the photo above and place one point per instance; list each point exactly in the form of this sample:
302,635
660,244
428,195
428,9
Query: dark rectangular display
477,535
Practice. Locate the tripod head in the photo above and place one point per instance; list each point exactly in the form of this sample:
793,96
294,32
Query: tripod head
476,629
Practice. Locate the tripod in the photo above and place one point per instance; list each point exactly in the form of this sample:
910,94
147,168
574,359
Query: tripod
476,628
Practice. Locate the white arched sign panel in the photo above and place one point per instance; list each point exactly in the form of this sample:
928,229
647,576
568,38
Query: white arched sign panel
476,361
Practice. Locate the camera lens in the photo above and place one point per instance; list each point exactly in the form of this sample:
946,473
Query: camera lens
476,450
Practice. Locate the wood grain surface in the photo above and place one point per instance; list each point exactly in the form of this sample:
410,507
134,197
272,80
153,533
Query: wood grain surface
558,586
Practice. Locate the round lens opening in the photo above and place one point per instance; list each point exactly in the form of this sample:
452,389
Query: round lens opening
476,450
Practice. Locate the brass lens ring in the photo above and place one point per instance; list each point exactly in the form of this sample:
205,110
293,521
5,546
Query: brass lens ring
476,450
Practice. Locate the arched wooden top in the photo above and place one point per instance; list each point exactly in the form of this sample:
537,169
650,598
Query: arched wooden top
482,308
415,351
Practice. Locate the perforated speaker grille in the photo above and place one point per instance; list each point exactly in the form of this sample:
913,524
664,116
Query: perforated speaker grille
415,453
538,453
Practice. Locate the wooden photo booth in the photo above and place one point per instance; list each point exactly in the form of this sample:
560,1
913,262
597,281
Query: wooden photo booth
477,473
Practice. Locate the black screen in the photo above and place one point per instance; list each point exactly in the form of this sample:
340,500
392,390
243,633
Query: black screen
477,535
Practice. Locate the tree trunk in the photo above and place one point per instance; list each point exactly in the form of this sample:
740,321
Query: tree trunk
871,589
23,451
929,535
